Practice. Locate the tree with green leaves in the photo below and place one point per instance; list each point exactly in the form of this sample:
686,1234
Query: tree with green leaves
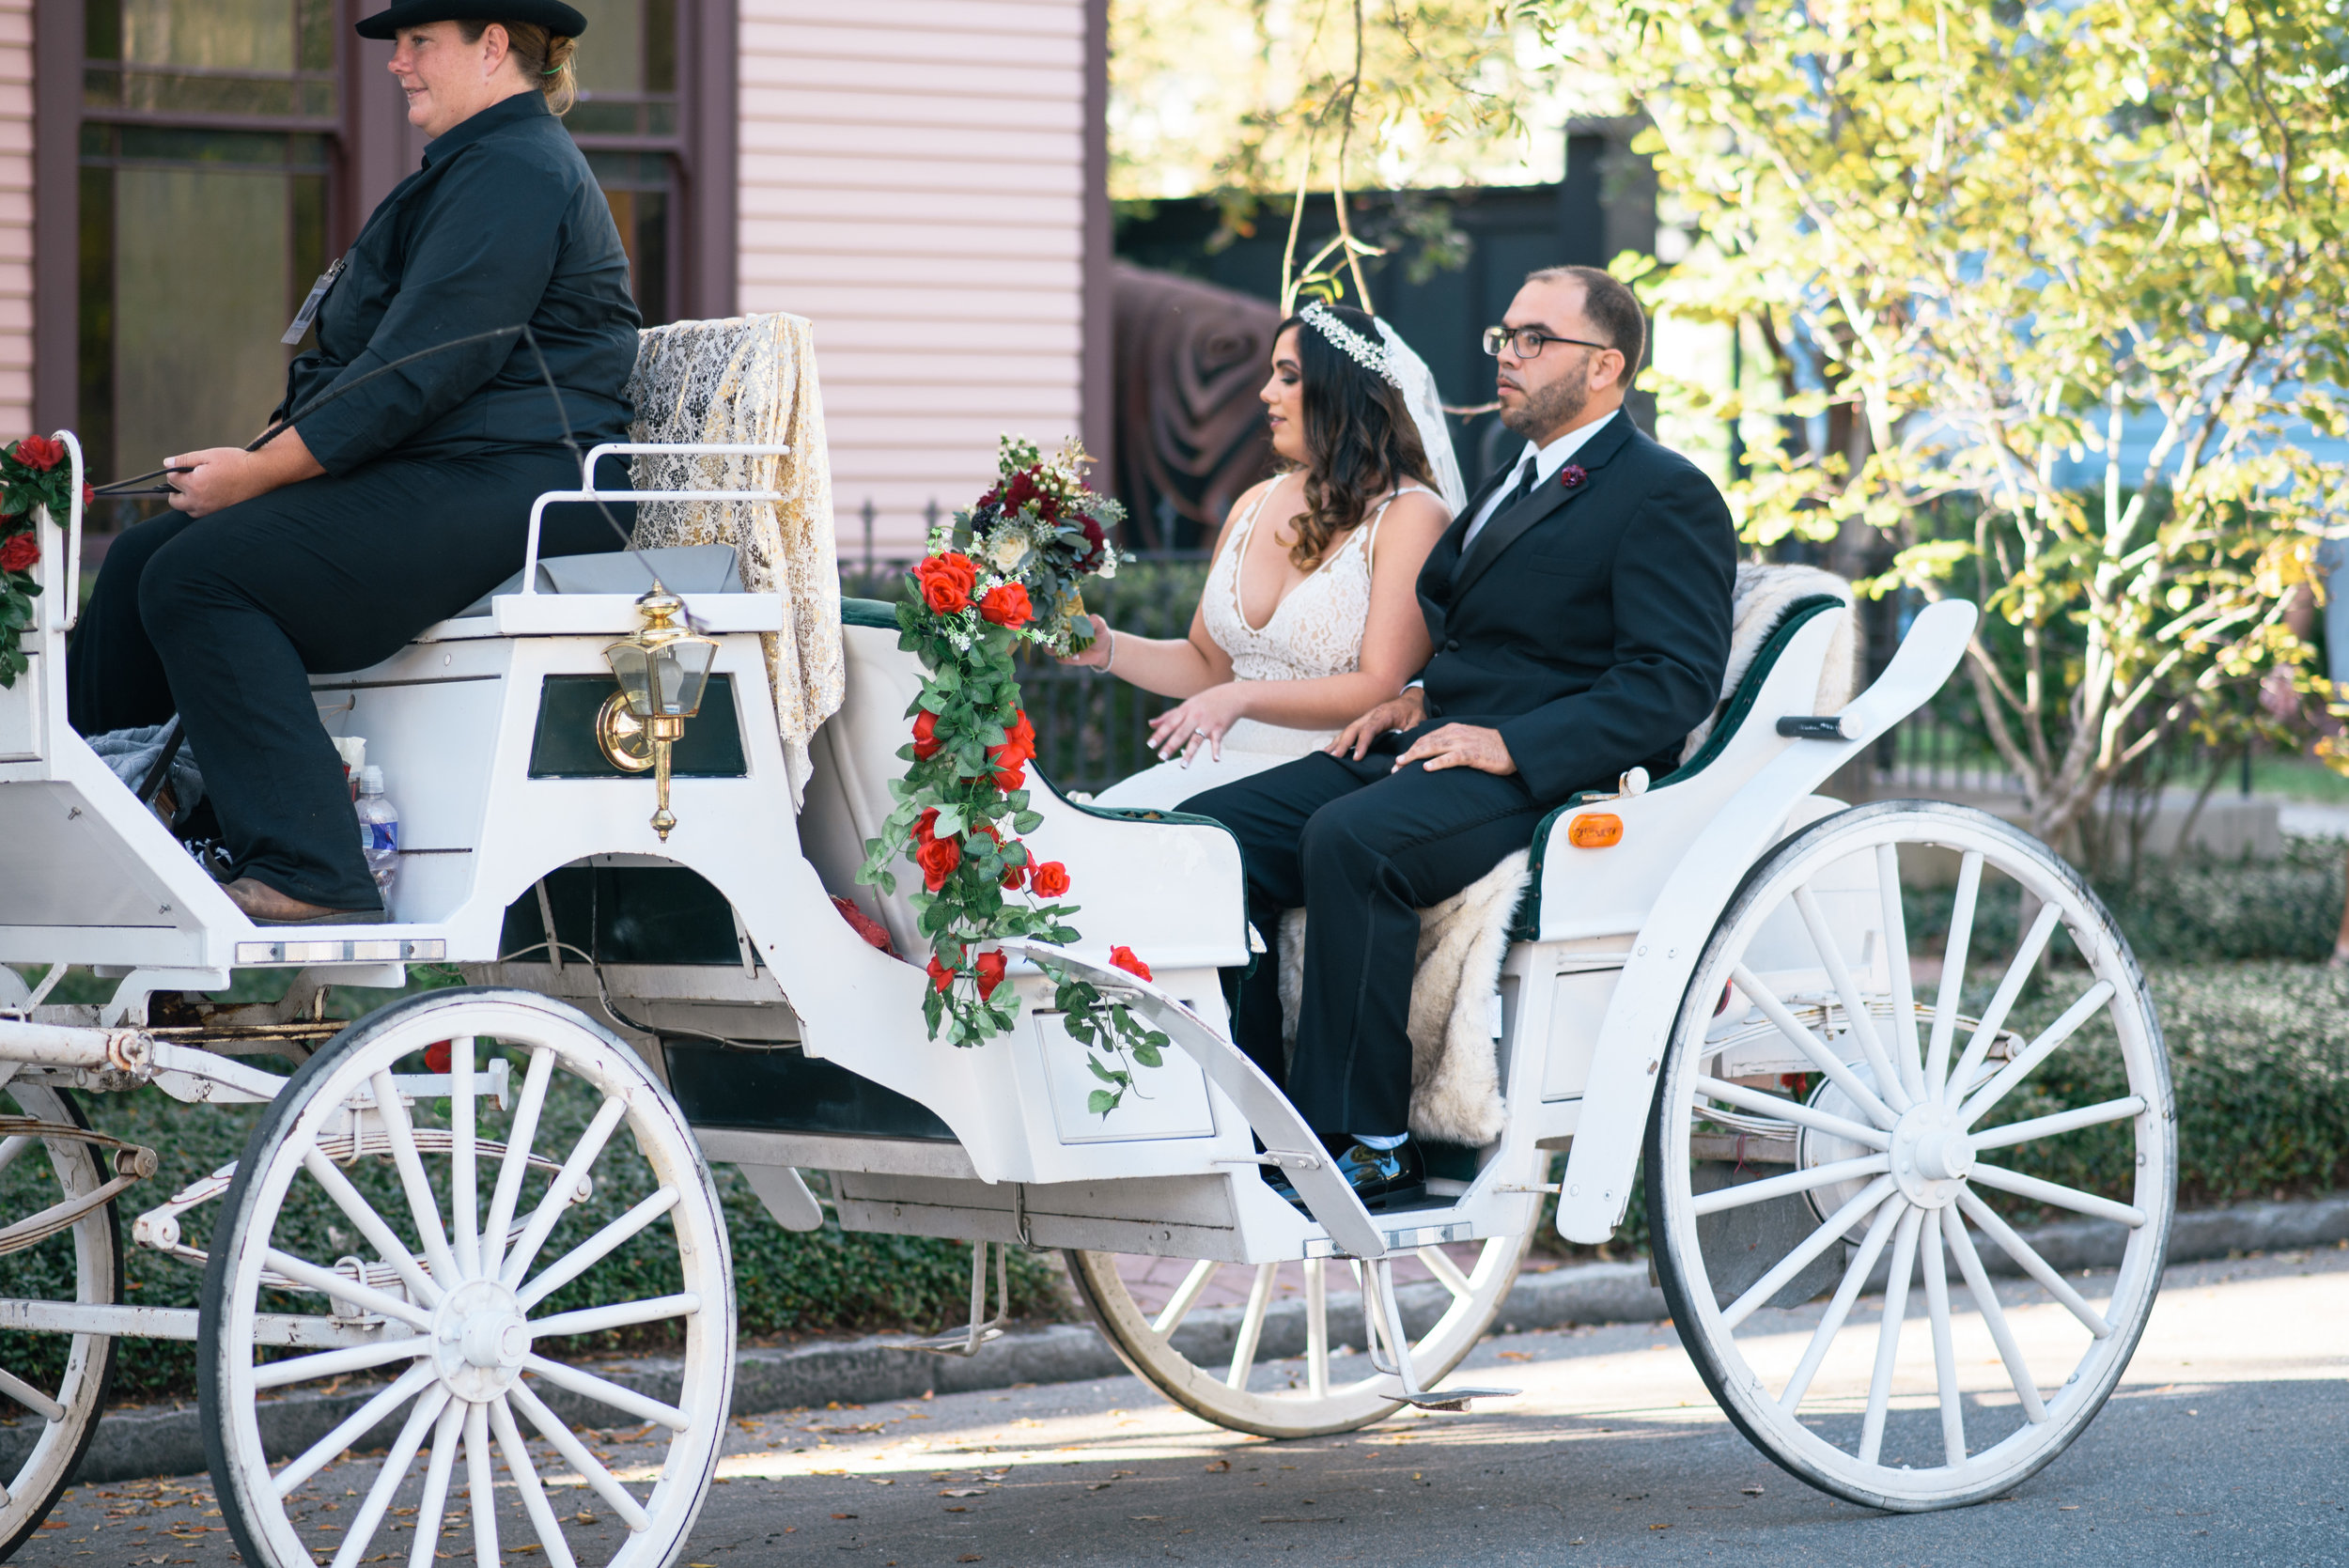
2064,285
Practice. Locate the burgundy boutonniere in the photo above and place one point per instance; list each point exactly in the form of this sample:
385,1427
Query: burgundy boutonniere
1573,474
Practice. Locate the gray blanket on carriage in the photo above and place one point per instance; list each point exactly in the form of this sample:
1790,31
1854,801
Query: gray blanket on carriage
131,754
1456,1077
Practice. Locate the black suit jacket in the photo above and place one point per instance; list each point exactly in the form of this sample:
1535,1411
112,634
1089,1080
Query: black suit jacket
1590,624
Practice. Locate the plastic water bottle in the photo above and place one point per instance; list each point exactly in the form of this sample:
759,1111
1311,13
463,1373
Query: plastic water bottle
378,830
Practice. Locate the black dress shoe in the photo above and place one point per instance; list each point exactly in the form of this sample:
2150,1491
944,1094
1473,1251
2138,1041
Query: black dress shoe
1381,1178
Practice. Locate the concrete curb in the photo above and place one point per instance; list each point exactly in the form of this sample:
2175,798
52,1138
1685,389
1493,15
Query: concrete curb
150,1440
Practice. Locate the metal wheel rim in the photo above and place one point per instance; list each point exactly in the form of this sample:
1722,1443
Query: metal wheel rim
487,1432
1208,1390
48,1467
1754,1401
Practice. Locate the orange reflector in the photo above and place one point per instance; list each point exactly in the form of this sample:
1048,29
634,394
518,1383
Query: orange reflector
1595,830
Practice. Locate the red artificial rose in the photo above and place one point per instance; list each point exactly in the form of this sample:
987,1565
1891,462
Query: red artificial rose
1123,957
1006,604
1573,474
1014,754
1050,880
990,967
20,553
39,452
1013,875
865,925
89,495
436,1056
947,583
937,859
925,826
925,741
940,976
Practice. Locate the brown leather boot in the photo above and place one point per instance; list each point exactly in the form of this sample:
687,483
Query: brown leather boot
265,905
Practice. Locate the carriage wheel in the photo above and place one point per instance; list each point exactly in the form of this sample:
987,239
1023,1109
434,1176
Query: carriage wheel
1903,1135
470,1222
35,1173
1234,1392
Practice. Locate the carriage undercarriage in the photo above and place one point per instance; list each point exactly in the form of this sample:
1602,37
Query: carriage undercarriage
1724,1004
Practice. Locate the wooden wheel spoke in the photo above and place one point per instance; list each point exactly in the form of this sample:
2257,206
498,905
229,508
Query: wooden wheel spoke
2028,1059
11,1146
2028,1260
591,1470
388,1244
603,1392
482,1487
464,1166
1767,1104
1888,1078
335,1363
1904,1043
617,1314
525,1473
422,1202
1944,1342
1993,1315
2071,1198
1847,1292
15,1387
342,1287
2011,985
564,1186
1185,1296
1819,1053
322,1452
1953,971
1251,1325
436,1477
1888,1337
589,1252
1439,1263
1783,1273
519,1138
1743,1193
360,1533
1317,1327
2059,1122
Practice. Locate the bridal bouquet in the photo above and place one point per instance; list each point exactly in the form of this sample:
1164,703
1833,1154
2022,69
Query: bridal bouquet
1003,572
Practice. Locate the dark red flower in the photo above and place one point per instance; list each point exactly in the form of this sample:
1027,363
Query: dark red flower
1021,490
1123,957
946,581
89,496
925,826
1006,604
940,976
925,741
39,452
1095,538
1573,474
1050,880
436,1056
864,924
937,859
990,967
19,553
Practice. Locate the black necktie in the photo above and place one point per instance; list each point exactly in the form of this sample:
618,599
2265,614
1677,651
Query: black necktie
1525,485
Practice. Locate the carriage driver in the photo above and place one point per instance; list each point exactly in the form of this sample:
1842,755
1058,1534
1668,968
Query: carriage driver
1579,609
377,513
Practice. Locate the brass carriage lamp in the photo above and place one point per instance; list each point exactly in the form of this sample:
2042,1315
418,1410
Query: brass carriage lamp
662,671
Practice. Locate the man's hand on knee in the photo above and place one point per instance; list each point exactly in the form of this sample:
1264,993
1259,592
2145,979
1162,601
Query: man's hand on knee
1461,746
1399,712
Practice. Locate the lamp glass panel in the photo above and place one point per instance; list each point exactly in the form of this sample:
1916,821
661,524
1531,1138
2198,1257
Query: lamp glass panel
681,673
631,666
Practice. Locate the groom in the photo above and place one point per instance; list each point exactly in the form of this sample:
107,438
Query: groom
1580,609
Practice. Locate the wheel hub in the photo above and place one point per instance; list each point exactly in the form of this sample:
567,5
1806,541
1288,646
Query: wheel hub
480,1337
1932,1156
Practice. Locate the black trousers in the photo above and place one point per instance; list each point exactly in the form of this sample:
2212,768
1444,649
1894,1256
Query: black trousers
223,619
1361,849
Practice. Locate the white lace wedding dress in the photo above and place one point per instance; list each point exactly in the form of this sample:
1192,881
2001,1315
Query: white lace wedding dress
1315,632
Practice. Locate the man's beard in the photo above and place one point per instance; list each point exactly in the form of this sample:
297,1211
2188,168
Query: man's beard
1554,407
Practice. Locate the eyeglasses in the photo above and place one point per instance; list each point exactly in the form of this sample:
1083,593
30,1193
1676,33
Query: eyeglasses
1528,341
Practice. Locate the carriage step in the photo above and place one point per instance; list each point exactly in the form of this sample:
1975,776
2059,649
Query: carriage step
1456,1399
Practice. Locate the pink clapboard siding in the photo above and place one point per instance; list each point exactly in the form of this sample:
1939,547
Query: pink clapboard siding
16,218
911,180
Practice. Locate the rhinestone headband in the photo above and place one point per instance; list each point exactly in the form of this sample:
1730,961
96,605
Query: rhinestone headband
1361,349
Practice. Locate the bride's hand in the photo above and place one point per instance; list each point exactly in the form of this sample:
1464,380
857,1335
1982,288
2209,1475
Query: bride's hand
1198,724
1095,654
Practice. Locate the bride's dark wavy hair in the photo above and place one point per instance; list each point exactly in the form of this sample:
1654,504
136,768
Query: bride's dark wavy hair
1360,441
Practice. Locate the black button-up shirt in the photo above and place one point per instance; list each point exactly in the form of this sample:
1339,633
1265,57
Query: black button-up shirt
503,224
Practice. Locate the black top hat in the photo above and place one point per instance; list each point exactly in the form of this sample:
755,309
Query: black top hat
555,16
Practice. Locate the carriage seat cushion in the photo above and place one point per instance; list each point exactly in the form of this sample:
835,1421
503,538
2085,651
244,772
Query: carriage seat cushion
683,568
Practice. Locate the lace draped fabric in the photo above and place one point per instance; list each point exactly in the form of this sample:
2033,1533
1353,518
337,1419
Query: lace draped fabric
751,380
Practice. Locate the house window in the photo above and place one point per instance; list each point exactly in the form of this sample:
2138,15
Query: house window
627,119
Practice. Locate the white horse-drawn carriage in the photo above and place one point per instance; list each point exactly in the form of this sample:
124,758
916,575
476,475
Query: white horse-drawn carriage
1709,987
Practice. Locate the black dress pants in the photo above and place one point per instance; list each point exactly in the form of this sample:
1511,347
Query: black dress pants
223,619
1361,849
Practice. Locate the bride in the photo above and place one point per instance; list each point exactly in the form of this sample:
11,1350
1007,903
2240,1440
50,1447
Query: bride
1309,617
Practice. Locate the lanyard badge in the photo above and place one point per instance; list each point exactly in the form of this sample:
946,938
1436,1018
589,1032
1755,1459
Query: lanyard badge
309,311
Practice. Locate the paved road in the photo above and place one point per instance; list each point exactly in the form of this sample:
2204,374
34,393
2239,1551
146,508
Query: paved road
2227,1444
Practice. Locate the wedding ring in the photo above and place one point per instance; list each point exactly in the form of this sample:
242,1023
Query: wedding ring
1199,732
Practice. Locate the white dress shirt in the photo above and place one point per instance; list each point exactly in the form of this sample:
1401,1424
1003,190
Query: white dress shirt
1547,461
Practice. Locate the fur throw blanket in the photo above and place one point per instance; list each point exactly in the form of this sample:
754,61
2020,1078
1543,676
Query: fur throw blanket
1455,1078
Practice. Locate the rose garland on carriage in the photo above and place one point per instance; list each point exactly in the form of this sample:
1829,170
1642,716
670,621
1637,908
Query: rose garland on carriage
34,477
1001,573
